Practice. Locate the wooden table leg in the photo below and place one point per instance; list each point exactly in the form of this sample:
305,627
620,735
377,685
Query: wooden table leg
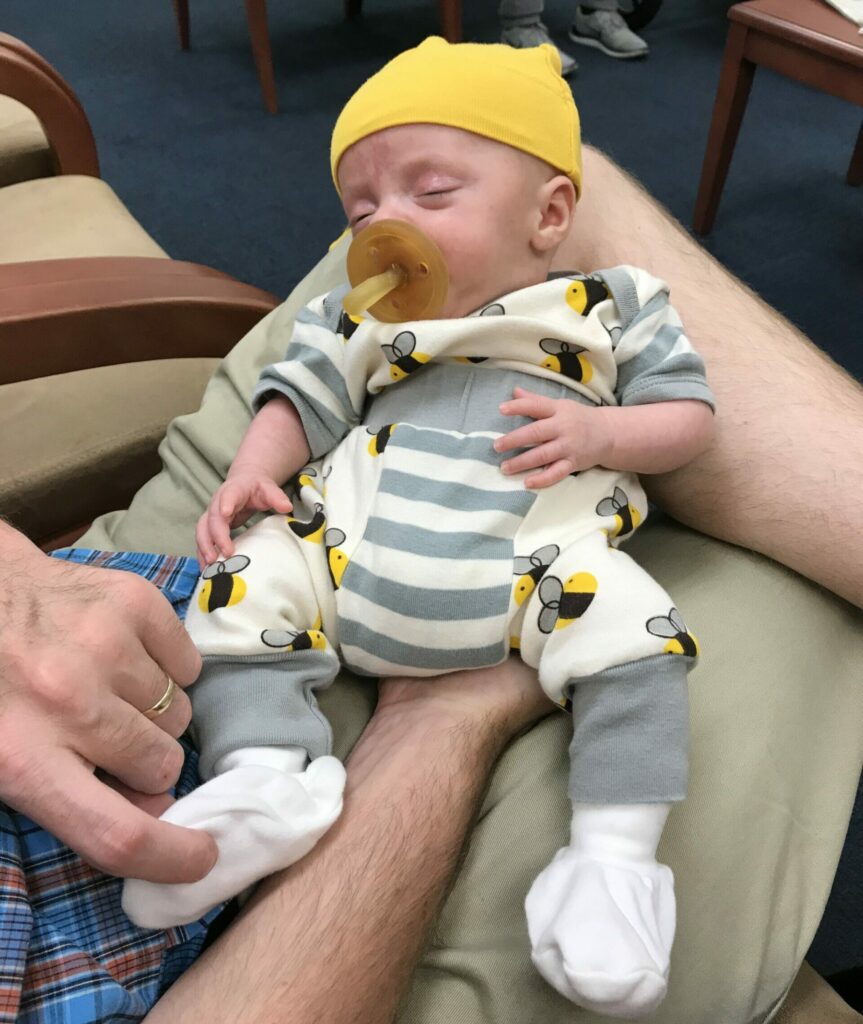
735,81
855,168
181,10
451,20
256,13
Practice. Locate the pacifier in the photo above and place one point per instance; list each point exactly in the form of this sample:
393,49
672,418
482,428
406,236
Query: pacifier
397,273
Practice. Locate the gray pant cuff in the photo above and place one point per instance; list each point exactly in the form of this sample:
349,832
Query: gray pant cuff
260,701
630,742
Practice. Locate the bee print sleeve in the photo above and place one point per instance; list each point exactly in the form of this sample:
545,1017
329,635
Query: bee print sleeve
654,358
313,375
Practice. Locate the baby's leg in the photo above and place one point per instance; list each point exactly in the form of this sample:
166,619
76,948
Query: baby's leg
256,619
601,916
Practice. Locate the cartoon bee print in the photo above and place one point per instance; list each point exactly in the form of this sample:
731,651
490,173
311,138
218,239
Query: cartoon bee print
348,324
585,293
290,640
495,309
566,359
471,359
401,355
563,603
380,439
311,530
223,585
337,560
627,518
681,641
530,570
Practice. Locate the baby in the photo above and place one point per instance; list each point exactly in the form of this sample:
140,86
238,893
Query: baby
415,546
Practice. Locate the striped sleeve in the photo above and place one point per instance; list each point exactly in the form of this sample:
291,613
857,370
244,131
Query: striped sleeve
313,376
654,358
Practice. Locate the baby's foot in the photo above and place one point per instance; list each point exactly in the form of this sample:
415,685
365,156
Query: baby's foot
262,819
601,931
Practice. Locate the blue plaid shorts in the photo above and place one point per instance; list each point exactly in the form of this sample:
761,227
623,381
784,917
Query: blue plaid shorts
68,953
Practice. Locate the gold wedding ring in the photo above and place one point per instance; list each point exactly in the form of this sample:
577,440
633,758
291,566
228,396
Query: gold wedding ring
164,702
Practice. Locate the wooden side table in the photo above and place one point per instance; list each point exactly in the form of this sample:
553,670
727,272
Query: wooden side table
802,39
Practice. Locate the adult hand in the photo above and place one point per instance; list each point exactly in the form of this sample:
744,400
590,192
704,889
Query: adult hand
83,652
241,495
564,438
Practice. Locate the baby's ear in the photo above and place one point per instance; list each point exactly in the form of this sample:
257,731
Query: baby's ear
556,207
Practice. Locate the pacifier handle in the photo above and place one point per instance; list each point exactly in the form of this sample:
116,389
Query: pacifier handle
373,289
397,272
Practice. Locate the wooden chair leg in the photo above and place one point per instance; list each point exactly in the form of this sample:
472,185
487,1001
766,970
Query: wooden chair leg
181,10
855,168
353,8
451,20
256,14
735,81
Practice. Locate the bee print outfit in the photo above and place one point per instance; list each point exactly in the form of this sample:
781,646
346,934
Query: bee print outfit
410,552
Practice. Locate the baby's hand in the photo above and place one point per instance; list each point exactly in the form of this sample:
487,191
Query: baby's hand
565,436
238,498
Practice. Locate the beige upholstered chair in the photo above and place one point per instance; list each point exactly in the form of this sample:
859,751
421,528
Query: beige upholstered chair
103,338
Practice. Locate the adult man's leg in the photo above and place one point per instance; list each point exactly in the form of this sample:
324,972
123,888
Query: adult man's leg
785,459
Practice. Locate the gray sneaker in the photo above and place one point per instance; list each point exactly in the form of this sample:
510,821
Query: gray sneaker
607,31
535,34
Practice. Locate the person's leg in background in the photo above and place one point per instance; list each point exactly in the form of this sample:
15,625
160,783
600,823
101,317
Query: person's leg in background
599,24
521,25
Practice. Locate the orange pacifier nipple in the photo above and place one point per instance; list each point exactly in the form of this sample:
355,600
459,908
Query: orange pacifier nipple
397,274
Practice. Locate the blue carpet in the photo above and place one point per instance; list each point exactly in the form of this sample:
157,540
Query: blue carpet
184,140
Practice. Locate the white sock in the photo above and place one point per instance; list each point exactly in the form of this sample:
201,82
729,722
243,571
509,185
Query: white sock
601,916
264,812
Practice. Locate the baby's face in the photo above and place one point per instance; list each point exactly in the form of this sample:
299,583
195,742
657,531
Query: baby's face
478,199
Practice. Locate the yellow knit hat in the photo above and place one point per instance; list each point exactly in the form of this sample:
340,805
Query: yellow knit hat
514,96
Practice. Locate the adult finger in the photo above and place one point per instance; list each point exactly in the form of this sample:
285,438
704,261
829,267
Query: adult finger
164,637
154,804
130,747
142,683
549,475
112,834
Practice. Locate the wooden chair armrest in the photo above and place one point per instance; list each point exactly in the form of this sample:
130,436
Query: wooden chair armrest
30,79
62,315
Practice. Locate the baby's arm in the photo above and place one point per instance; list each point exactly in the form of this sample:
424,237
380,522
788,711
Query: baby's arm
566,436
273,449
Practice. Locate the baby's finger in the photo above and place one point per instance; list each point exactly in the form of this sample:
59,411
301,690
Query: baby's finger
220,533
275,498
206,548
526,403
534,433
552,474
542,455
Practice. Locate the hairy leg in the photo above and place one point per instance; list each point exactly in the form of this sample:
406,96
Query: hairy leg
336,937
781,475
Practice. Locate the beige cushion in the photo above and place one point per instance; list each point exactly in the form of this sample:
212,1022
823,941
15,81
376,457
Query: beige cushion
70,215
777,743
78,444
24,149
